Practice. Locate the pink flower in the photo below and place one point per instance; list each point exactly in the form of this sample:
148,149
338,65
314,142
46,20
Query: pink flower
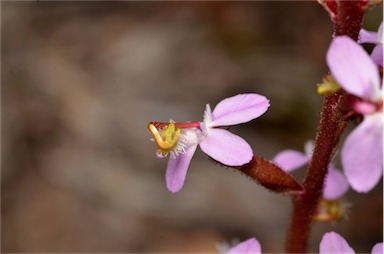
219,144
333,243
357,74
250,246
335,183
374,38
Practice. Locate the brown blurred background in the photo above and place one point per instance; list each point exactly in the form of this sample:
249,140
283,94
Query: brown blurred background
81,81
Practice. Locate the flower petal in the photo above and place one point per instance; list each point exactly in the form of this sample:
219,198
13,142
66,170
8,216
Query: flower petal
368,37
334,243
380,33
336,185
377,55
177,169
226,148
377,249
250,246
353,69
290,160
238,109
362,154
309,146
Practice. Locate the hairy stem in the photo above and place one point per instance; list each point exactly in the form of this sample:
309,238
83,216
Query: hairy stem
304,206
348,21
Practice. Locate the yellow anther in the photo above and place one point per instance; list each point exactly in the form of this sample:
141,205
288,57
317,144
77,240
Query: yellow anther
165,138
330,210
329,86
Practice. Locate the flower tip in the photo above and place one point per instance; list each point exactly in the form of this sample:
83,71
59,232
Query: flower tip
173,190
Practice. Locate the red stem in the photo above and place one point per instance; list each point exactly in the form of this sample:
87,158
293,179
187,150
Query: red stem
181,125
304,206
348,21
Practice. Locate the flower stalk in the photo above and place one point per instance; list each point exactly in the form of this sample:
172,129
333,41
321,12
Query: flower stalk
347,18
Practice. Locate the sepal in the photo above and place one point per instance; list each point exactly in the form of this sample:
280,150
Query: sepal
271,176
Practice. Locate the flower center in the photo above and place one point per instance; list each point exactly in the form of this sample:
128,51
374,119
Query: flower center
170,137
166,137
331,210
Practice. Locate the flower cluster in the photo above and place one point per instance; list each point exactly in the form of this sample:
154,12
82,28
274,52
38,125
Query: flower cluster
354,71
362,153
180,140
358,75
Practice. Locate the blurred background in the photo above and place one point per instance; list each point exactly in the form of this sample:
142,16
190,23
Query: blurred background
81,81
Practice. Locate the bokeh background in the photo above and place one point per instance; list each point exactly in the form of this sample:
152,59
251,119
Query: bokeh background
81,81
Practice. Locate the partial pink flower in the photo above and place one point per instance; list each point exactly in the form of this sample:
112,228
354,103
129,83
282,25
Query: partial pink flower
377,249
356,73
221,145
335,185
374,38
250,246
290,160
371,37
333,243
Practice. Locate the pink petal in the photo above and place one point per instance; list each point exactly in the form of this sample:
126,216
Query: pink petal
333,243
308,148
368,37
238,109
377,249
377,55
250,246
226,148
362,154
177,169
353,69
336,185
290,160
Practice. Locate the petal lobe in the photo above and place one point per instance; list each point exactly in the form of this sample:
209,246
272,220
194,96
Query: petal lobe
362,154
239,109
177,169
290,160
227,148
353,69
333,243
